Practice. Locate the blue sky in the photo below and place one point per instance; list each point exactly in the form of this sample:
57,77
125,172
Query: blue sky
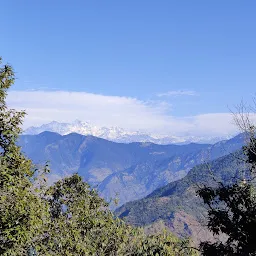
180,59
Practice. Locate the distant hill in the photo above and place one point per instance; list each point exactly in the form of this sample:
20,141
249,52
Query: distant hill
176,204
127,171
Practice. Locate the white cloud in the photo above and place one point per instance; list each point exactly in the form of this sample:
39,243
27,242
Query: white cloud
129,113
45,106
177,93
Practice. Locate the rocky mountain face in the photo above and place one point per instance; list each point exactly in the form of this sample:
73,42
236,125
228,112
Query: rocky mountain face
176,205
116,134
126,171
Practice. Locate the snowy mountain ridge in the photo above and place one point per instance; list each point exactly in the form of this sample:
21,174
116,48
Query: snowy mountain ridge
117,134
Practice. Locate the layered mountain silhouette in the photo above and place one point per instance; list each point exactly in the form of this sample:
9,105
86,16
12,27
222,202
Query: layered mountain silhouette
126,171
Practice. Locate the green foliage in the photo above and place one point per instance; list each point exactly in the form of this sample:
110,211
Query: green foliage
68,218
163,244
21,210
232,211
80,222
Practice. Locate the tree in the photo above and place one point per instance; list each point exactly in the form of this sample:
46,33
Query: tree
164,244
232,208
81,223
21,209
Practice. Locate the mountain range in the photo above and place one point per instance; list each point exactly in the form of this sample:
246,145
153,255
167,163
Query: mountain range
118,134
127,171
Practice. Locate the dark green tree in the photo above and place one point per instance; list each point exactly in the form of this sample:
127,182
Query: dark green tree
232,211
21,210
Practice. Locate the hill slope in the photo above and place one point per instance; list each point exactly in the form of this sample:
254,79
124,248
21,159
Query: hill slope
177,205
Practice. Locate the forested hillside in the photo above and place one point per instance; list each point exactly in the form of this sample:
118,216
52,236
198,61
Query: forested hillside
177,204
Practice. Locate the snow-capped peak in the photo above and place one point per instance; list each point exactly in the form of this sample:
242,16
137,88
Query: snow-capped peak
116,134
